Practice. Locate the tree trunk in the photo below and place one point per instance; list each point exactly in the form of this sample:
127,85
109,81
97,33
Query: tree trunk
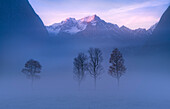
79,85
32,81
118,82
95,83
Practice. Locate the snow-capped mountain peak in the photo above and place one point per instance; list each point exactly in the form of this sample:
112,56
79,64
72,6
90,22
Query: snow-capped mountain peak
90,19
73,20
69,25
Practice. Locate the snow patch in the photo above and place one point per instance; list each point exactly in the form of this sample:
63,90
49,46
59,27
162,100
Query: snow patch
73,30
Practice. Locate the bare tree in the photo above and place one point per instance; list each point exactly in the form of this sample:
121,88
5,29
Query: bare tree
31,69
80,67
117,68
95,59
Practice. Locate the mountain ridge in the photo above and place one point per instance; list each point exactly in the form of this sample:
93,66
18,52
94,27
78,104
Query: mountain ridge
17,17
94,26
162,30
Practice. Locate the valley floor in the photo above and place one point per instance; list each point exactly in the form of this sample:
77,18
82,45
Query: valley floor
84,102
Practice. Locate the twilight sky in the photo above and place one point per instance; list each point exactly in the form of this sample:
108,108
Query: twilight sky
131,13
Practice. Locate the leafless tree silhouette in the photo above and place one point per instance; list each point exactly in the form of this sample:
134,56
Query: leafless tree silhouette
95,59
80,67
117,68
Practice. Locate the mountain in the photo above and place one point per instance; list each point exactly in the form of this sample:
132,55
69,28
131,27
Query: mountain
94,26
70,25
22,33
137,33
162,30
17,17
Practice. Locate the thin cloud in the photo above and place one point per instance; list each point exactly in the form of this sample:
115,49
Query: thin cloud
136,6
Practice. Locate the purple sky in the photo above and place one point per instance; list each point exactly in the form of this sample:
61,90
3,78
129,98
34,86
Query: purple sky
131,13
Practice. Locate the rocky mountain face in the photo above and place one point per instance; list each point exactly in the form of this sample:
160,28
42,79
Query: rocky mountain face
93,26
162,30
22,33
18,18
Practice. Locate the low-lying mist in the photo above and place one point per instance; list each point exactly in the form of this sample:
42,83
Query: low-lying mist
144,85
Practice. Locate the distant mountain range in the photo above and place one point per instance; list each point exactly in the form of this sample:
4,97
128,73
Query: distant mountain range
93,26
